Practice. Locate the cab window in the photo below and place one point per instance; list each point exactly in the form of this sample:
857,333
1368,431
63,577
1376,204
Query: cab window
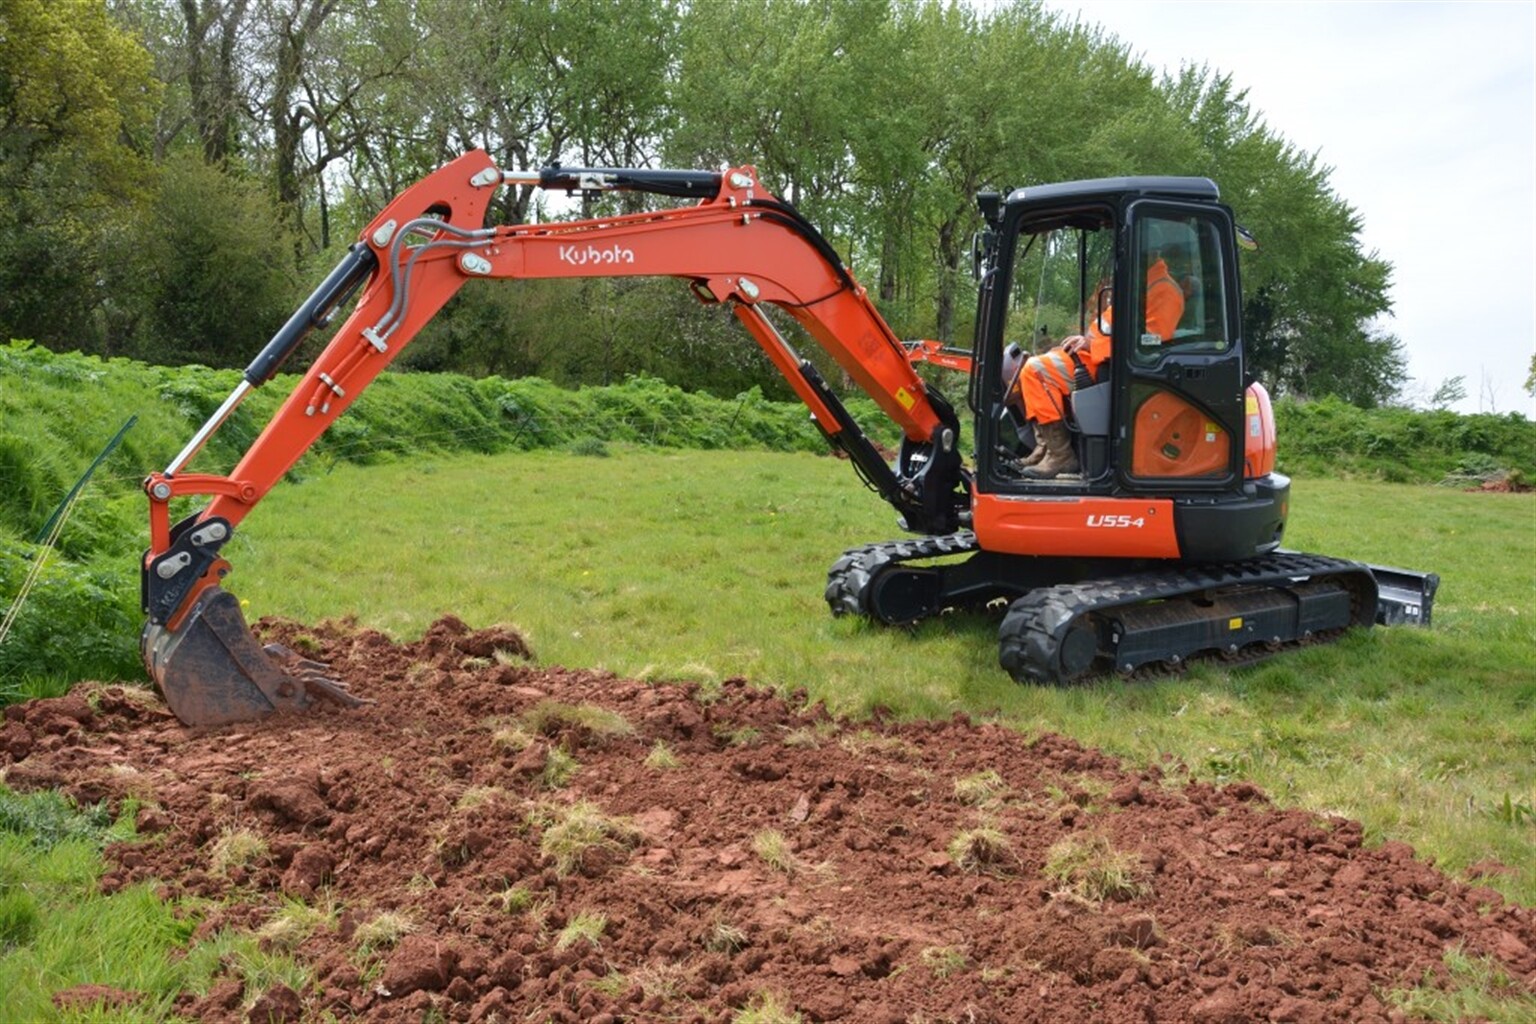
1060,285
1184,306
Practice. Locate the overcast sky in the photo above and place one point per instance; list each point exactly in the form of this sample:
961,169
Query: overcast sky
1426,113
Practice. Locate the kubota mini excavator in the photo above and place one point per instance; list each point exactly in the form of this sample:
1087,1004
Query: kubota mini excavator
1165,546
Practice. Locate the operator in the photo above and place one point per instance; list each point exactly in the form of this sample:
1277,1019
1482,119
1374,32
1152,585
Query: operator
1046,379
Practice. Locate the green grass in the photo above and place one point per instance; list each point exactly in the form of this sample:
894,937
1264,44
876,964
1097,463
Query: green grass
706,565
58,930
1479,989
58,411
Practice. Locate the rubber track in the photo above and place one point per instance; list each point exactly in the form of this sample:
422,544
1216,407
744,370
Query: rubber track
1032,630
848,579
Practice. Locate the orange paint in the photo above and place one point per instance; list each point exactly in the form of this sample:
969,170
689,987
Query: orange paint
1258,433
1175,439
729,249
1088,527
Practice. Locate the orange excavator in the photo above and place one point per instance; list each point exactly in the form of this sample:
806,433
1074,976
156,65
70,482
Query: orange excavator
1165,547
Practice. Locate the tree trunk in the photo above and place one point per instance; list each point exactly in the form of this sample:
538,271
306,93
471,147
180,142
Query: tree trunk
949,263
211,71
289,121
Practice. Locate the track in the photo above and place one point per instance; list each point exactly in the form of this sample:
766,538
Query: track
1144,620
848,581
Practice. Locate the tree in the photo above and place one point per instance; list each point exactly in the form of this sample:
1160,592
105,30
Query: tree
879,119
212,30
1450,391
1311,291
76,97
207,271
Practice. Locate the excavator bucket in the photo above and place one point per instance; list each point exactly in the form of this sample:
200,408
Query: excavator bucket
211,670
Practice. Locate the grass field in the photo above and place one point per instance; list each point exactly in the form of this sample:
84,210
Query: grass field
705,565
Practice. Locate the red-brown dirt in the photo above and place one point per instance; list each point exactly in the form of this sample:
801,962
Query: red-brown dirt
441,803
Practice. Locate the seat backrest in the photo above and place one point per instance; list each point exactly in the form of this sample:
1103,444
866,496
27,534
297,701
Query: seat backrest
1013,362
1090,408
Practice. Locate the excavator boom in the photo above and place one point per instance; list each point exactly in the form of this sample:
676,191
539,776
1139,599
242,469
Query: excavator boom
737,245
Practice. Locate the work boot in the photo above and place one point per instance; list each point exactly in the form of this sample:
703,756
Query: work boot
1036,453
1059,456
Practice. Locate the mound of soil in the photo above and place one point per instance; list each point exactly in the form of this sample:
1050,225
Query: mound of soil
505,842
1504,485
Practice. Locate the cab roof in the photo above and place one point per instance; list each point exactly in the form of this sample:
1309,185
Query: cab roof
1203,189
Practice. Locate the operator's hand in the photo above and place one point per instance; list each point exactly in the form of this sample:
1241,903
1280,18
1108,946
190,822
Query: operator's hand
1076,343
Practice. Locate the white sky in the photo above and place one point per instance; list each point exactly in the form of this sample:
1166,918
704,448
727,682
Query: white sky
1426,113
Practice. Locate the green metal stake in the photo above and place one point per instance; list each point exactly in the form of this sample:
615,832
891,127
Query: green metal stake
117,439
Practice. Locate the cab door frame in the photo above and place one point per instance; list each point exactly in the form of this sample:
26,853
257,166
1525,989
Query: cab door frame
1210,381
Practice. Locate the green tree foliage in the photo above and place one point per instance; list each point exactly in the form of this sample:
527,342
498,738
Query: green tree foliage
76,96
1450,391
1310,291
208,271
209,154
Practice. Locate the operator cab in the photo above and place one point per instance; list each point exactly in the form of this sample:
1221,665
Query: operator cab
1149,264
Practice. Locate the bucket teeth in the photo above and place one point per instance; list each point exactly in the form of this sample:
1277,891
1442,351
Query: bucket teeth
212,671
315,675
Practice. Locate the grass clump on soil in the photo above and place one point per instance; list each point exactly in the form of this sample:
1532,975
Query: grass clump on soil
661,757
943,961
979,789
767,1007
478,796
571,834
807,737
1479,989
738,735
235,848
773,849
382,931
549,718
515,899
294,922
512,737
243,955
1087,865
582,929
983,848
867,741
725,937
560,767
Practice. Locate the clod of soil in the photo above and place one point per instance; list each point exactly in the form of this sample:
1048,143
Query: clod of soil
496,841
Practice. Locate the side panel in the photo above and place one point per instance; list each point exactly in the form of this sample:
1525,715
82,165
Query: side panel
1076,526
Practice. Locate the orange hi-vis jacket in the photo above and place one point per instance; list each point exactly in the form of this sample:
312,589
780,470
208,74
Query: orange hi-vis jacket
1046,379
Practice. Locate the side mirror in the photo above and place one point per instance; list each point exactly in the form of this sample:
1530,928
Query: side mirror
991,206
1102,301
983,245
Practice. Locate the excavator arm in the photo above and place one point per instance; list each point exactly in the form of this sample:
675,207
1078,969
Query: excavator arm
738,245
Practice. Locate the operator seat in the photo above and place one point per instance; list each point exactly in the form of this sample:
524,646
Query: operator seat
1018,432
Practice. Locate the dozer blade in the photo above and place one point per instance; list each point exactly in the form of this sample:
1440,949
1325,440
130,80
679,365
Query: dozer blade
213,671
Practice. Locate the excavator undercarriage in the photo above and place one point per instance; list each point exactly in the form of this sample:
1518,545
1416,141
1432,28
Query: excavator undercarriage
1069,620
